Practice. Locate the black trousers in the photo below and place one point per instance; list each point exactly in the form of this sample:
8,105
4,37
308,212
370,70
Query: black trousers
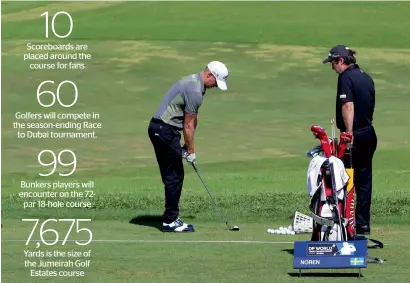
166,142
364,146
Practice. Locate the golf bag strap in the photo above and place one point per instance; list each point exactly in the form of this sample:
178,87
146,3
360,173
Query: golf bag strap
377,244
374,259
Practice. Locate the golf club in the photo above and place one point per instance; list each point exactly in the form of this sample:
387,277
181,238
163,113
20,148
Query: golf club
334,145
234,228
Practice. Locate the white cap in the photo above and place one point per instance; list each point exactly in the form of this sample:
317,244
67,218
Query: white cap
220,72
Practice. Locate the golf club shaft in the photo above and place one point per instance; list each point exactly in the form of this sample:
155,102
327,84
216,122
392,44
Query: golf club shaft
210,194
332,123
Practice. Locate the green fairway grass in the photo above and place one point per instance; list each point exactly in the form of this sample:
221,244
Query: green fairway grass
142,254
251,140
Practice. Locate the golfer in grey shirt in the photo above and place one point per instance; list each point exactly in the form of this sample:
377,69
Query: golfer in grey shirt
178,112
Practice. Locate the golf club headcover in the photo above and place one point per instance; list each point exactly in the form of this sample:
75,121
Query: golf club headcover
320,133
345,139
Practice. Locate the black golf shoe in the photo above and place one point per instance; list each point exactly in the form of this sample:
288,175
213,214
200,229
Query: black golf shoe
363,230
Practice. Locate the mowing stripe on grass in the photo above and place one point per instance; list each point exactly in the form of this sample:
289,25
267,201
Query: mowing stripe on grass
167,241
34,13
176,242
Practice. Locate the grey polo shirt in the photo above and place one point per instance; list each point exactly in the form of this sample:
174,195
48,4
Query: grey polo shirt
185,96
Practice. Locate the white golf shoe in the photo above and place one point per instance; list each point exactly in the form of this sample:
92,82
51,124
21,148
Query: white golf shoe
177,226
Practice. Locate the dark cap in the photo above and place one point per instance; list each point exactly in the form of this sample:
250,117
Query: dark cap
336,52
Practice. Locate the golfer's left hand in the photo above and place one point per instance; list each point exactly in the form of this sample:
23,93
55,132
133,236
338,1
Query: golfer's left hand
191,158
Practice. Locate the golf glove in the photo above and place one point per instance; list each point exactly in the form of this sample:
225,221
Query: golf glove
184,153
191,158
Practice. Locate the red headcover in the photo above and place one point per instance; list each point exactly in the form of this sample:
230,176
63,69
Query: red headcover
345,138
320,133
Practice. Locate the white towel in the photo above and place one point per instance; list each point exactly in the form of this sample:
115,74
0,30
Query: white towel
341,176
313,173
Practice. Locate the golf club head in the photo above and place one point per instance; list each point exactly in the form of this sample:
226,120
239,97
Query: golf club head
313,152
235,228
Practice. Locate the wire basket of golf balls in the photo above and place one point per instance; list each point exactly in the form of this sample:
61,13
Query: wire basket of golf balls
301,224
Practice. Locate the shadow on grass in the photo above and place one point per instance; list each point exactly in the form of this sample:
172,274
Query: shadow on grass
154,221
289,251
326,274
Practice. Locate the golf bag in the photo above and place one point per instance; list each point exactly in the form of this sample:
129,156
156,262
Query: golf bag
331,188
